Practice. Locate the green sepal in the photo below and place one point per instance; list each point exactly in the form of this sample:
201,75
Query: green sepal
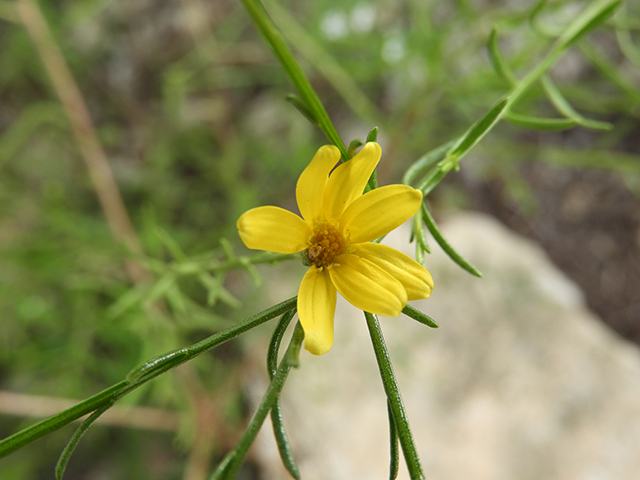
540,123
372,136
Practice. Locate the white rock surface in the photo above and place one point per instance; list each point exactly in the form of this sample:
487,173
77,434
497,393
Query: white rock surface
520,381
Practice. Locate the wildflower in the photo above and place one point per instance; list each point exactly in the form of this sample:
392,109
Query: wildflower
335,232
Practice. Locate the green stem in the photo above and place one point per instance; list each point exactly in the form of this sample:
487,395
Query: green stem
394,398
295,73
137,377
270,398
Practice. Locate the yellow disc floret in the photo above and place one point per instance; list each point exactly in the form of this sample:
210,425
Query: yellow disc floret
326,243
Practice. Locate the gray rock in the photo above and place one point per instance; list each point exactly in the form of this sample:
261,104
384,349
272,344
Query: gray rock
520,381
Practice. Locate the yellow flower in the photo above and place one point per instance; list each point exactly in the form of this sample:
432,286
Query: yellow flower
336,231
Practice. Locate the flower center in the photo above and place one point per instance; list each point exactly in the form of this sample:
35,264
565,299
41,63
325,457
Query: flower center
326,244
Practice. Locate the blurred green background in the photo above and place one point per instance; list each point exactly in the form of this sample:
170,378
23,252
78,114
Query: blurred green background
188,104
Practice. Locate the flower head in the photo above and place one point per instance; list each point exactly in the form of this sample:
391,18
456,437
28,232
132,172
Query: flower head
335,233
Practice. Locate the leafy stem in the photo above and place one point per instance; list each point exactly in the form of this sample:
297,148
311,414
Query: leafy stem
295,73
138,377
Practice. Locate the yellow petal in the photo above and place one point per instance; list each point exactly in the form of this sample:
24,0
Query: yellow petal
414,277
347,182
312,181
367,286
273,229
316,309
379,211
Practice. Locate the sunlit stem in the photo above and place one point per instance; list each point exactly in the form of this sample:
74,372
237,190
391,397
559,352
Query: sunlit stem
230,470
394,398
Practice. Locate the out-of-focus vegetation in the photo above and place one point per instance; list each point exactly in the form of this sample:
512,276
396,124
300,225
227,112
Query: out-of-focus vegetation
188,104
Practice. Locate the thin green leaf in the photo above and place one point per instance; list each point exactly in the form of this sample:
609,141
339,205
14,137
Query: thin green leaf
176,299
126,301
65,456
565,108
610,70
282,441
418,316
294,100
627,47
445,245
498,63
472,136
425,162
590,18
171,245
417,232
394,463
539,123
160,288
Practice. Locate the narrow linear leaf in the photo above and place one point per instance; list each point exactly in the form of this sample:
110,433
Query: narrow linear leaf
282,441
445,245
564,107
394,463
627,47
472,136
276,340
297,102
498,63
425,162
590,18
171,245
417,315
540,123
65,456
610,70
417,232
160,288
419,255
